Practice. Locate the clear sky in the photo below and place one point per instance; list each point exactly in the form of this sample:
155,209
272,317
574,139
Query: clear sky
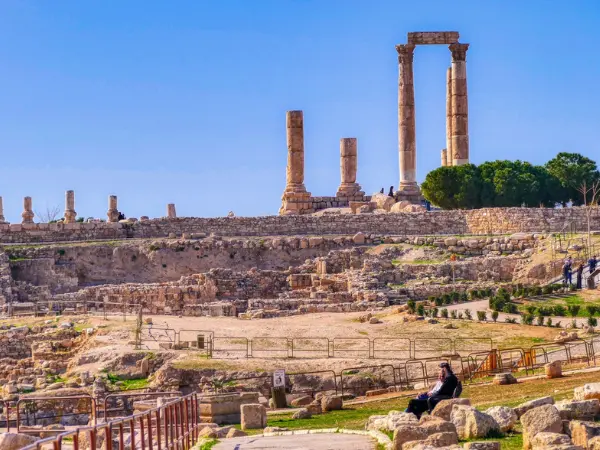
184,101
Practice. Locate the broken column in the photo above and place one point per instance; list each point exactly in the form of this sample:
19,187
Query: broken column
171,213
2,220
70,214
113,213
295,197
444,157
348,166
449,156
406,123
27,214
460,106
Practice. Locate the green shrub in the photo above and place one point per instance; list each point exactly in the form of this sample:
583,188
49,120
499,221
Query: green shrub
453,314
540,320
574,310
434,312
560,311
444,313
481,316
455,297
530,309
495,315
591,310
473,294
446,299
510,308
412,306
420,309
510,320
438,301
592,321
468,314
464,297
549,322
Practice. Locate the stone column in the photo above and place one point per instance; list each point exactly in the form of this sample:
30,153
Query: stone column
444,157
27,213
348,166
406,121
70,214
295,197
113,212
2,220
460,106
171,213
450,157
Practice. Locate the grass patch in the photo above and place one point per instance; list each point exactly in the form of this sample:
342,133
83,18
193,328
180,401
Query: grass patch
137,383
208,444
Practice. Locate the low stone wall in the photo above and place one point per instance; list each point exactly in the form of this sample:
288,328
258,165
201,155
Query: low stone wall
481,221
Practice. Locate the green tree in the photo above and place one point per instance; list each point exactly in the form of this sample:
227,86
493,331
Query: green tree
573,170
453,187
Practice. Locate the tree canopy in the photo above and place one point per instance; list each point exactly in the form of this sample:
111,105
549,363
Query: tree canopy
510,183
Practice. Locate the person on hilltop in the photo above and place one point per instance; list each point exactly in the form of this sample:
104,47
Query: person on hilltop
381,191
567,271
391,193
443,390
579,276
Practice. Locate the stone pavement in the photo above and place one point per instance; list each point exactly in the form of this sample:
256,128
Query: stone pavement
318,441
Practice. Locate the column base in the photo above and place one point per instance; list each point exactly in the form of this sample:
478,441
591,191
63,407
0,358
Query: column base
295,200
409,192
112,215
349,190
70,216
27,217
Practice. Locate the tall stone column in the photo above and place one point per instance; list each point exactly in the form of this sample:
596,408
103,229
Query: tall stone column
444,157
348,166
406,121
27,213
113,213
450,153
2,220
70,214
295,197
171,213
460,105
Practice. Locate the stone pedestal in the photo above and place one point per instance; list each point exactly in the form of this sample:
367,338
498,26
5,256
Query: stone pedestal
460,105
348,167
27,214
450,153
406,122
295,199
171,213
2,220
113,213
70,214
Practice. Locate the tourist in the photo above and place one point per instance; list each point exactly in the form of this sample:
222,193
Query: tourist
443,390
579,275
391,193
381,191
567,271
593,262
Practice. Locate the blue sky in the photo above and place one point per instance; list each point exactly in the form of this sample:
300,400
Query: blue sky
184,101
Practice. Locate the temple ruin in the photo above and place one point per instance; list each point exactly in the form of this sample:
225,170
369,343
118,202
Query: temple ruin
297,200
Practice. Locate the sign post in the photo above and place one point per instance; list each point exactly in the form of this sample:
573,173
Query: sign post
278,391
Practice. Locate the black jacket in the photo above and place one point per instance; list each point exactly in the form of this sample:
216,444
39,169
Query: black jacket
448,386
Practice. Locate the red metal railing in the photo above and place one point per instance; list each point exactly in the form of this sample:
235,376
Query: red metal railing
172,426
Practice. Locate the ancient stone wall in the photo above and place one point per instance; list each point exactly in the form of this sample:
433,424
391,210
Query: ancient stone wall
480,221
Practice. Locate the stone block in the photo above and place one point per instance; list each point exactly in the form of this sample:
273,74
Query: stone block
583,432
254,416
331,403
524,407
587,392
407,433
553,369
578,409
444,408
484,445
543,418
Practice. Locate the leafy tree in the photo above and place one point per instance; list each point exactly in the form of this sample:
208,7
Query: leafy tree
573,170
453,187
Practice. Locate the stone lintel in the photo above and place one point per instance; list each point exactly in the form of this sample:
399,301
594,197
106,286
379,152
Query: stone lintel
433,37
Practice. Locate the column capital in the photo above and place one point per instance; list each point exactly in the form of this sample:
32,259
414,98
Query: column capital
459,51
405,53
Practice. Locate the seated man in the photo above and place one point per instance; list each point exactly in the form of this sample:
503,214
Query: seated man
443,390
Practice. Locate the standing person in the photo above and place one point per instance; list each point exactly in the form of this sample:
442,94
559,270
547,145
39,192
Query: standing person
567,271
391,193
381,191
579,276
443,390
593,262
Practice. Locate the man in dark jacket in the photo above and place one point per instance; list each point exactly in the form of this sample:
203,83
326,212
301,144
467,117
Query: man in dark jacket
443,390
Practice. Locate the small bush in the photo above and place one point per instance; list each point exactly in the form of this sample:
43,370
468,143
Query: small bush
455,297
530,309
420,309
510,320
546,290
444,313
574,310
572,288
540,320
558,325
574,324
510,308
468,314
453,314
460,315
591,310
495,315
560,311
549,322
438,301
592,322
481,316
464,297
473,294
446,299
412,306
434,312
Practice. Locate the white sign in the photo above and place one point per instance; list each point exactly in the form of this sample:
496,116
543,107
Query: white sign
279,378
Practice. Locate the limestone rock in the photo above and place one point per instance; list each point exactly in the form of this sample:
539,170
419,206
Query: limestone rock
504,378
553,369
583,432
301,401
15,441
208,432
331,403
544,440
587,392
543,418
594,443
397,418
458,417
383,201
486,445
578,409
235,433
434,425
399,207
303,413
505,417
444,408
524,407
359,238
274,429
479,424
254,415
407,433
